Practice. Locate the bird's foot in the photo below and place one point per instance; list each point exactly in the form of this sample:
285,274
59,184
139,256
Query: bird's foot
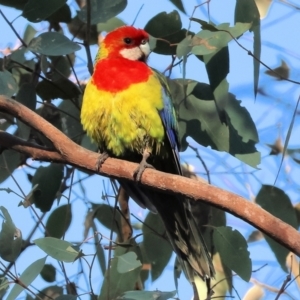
142,166
102,158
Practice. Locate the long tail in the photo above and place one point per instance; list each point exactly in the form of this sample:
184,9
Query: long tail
181,228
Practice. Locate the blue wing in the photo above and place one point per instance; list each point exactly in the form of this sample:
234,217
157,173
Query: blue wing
169,119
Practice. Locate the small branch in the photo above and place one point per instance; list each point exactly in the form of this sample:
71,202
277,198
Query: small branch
123,199
68,152
13,29
88,36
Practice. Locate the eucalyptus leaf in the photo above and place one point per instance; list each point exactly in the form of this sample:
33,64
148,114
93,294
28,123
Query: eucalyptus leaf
10,238
39,10
199,118
102,10
233,250
4,286
48,273
66,297
148,295
125,281
27,277
27,96
9,161
58,249
167,27
8,85
59,221
52,43
48,180
60,89
63,14
178,4
278,203
208,42
246,11
157,248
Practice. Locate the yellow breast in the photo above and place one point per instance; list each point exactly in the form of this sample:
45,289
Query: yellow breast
126,120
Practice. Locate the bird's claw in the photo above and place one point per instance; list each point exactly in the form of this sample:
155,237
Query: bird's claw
142,166
140,170
102,158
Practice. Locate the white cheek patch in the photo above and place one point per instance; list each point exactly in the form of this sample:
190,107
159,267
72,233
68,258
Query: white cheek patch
136,53
132,53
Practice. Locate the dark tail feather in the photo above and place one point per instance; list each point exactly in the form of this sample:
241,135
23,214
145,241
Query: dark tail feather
181,228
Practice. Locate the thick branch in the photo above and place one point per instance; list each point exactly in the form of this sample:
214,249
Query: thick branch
70,153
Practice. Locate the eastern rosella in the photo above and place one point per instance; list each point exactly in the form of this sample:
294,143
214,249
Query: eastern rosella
128,112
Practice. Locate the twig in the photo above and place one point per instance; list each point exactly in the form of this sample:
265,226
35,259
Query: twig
13,29
87,40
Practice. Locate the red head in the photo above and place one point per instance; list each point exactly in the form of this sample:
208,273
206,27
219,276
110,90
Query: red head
127,42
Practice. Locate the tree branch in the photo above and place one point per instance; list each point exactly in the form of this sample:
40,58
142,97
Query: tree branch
67,152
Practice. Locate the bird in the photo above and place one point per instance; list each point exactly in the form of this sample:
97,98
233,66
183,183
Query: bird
128,111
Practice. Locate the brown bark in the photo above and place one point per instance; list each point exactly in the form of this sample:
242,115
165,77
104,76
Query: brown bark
67,152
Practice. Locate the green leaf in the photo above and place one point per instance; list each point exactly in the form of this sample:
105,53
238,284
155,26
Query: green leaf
27,96
79,30
232,248
50,290
49,180
8,85
205,25
52,44
110,25
167,28
39,10
208,42
217,68
127,262
148,295
246,12
60,89
278,203
66,297
121,282
104,214
9,161
18,4
58,249
71,125
158,249
199,118
61,15
10,238
59,221
60,68
198,115
17,56
48,273
4,286
241,120
184,47
102,10
29,34
178,4
27,277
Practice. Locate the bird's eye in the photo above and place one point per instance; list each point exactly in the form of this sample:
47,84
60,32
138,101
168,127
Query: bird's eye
128,41
143,42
